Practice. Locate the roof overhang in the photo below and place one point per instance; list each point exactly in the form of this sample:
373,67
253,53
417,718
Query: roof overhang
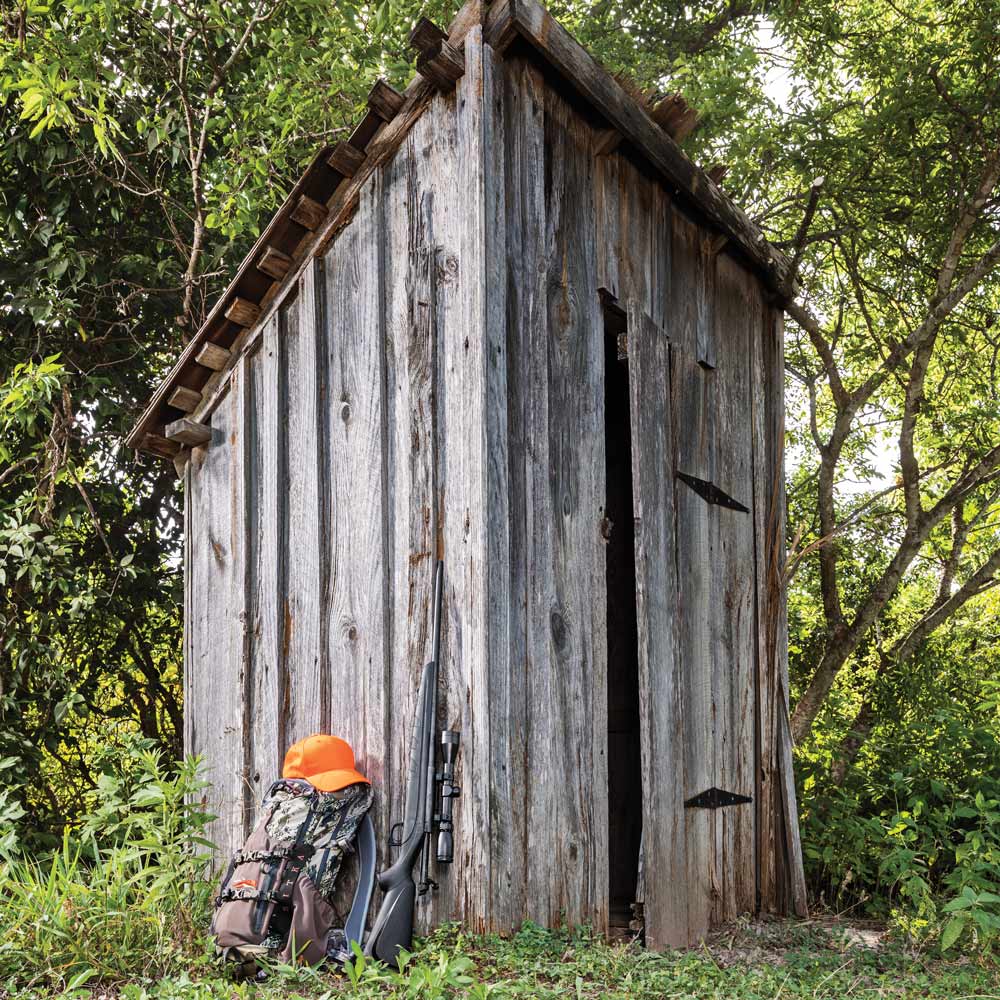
325,196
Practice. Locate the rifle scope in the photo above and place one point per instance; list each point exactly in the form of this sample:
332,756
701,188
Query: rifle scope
449,792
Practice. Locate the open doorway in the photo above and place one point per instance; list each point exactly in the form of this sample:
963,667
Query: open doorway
624,757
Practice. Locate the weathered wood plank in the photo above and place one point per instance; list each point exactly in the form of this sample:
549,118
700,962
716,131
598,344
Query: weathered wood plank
608,219
267,514
213,356
308,213
508,862
569,599
346,159
274,263
463,438
385,100
736,316
307,525
189,432
533,22
526,326
216,613
184,399
357,640
694,450
243,312
661,698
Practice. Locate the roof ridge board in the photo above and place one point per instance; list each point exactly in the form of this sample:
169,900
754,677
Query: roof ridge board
508,20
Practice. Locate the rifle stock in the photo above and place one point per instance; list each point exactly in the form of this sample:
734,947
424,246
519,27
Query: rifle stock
393,926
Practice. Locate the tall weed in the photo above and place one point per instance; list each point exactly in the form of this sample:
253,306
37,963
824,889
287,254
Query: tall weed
125,895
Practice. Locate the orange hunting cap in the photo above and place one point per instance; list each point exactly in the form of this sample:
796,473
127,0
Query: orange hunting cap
326,762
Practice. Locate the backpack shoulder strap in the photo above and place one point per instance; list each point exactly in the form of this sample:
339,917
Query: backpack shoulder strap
354,928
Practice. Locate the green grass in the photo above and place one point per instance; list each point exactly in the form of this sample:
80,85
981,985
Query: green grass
778,961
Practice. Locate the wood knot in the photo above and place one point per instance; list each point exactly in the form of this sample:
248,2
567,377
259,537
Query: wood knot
559,629
606,527
447,268
345,411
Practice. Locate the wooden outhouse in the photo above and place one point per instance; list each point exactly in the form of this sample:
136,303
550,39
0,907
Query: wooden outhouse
510,324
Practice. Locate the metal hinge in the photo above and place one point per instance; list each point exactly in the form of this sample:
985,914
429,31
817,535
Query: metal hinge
711,493
716,798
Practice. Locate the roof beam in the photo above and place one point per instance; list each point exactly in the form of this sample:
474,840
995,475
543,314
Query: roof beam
274,263
213,356
188,431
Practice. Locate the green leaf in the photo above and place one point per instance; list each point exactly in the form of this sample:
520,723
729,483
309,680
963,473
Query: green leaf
952,932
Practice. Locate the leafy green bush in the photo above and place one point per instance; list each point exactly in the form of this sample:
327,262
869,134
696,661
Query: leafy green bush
124,896
913,835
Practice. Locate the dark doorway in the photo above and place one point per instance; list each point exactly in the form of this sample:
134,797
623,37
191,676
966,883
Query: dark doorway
624,760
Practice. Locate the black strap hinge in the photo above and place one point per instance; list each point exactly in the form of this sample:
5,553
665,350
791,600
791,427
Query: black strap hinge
716,798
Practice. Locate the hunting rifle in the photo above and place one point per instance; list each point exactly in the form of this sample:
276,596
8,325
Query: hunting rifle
393,926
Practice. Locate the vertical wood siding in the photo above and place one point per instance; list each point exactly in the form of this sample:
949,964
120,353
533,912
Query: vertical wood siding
216,574
435,388
661,683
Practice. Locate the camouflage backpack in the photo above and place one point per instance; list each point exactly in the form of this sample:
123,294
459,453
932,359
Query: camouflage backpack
275,900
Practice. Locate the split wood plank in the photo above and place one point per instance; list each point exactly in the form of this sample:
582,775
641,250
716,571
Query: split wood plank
661,698
190,432
306,532
267,514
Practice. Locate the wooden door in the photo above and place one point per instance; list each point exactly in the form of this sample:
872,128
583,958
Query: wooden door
692,488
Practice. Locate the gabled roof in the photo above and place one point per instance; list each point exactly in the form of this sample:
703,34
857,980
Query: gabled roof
325,196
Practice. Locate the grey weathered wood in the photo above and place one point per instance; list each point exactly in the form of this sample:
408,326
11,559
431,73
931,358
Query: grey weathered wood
661,707
306,532
187,431
463,435
692,420
357,644
213,356
776,625
736,317
522,868
570,613
216,619
267,510
531,21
